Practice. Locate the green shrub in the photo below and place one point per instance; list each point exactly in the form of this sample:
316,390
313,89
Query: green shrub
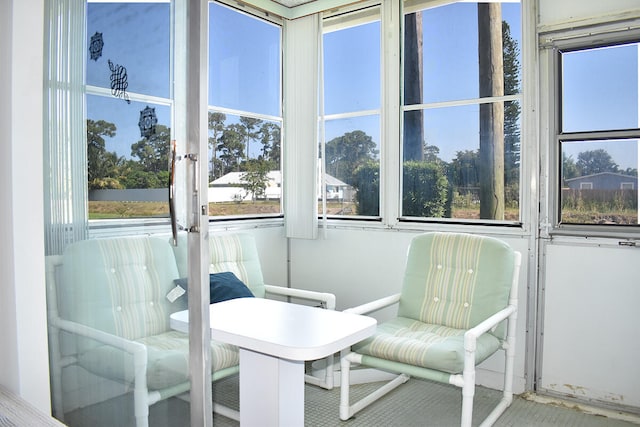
425,192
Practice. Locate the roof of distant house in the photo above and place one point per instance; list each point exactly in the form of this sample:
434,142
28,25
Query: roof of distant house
601,174
275,178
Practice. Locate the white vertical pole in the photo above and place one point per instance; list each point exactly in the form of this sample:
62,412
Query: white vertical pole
638,141
200,362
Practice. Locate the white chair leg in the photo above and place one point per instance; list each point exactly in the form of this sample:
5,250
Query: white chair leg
346,410
345,367
468,382
468,391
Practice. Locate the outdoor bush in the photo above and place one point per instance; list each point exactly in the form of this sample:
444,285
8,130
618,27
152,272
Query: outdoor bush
425,190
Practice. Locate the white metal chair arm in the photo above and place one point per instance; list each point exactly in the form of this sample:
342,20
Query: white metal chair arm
471,335
131,347
374,305
328,299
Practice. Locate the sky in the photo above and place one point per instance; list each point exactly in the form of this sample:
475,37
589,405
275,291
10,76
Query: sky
137,37
600,91
600,87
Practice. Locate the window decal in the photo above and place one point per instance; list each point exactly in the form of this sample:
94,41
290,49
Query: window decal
119,82
147,122
96,45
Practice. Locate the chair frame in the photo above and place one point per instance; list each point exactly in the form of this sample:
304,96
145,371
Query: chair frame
465,380
143,397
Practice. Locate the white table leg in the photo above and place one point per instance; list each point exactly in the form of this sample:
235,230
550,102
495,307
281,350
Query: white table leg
271,391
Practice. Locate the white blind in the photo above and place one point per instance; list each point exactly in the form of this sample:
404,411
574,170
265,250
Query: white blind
65,158
300,176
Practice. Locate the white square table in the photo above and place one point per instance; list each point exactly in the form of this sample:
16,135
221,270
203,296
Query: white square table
275,338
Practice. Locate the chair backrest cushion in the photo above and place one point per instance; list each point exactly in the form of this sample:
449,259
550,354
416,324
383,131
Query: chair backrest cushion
234,252
222,287
119,285
456,279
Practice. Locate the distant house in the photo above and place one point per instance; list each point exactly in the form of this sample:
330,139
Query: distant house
230,187
604,181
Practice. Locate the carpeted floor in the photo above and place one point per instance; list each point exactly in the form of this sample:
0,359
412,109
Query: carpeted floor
416,403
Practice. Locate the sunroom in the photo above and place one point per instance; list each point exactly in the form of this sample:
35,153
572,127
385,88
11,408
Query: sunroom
331,134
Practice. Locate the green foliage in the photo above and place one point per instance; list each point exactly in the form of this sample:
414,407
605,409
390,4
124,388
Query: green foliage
138,178
101,164
255,179
595,161
216,127
599,200
367,181
346,153
153,152
425,190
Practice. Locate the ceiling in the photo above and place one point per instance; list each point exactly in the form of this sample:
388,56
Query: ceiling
292,9
293,3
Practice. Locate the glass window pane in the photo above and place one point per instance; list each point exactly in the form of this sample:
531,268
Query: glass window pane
245,70
600,89
135,36
352,84
244,62
244,165
352,69
128,173
457,173
448,66
599,182
352,165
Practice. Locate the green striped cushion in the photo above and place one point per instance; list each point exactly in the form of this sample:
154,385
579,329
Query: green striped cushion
167,360
238,254
455,279
234,252
420,344
119,285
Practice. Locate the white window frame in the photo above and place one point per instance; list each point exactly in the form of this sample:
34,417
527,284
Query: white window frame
411,6
336,20
552,42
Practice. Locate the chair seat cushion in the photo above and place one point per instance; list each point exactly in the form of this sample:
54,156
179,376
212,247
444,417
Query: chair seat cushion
167,360
421,344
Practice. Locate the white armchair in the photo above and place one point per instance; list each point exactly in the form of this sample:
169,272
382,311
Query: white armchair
458,290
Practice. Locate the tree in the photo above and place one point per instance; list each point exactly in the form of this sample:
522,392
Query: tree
510,52
413,137
430,153
249,126
491,79
345,153
463,170
595,161
153,152
270,137
231,147
256,178
102,166
216,127
569,168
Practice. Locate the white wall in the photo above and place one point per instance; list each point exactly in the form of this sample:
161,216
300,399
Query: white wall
24,361
8,356
590,314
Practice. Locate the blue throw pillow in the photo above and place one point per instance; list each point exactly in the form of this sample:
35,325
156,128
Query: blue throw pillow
222,287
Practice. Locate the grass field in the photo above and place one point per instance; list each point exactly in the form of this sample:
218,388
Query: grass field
117,210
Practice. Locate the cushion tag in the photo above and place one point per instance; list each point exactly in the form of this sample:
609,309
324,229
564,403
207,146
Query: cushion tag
175,293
